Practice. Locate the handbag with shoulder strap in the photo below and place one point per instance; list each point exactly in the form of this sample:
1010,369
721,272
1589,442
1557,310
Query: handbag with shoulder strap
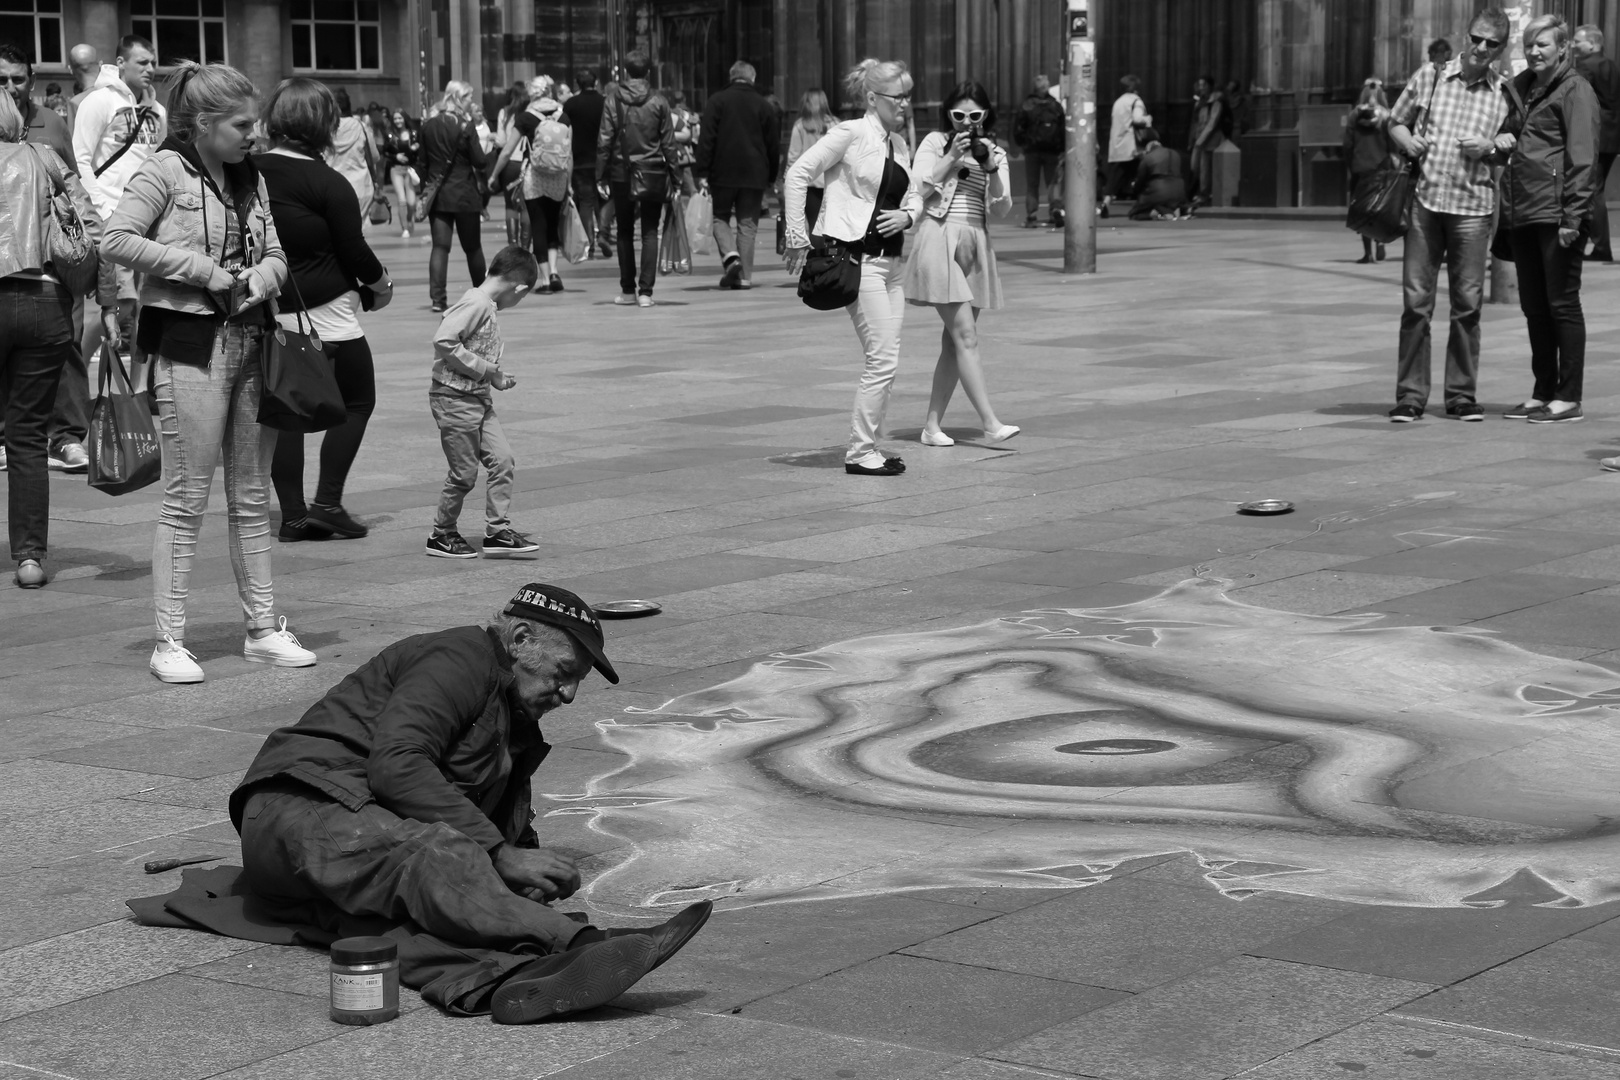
300,391
831,278
75,260
647,184
1381,205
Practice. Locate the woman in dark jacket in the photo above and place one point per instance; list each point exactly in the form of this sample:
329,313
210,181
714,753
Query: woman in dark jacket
1367,147
1548,195
317,217
452,156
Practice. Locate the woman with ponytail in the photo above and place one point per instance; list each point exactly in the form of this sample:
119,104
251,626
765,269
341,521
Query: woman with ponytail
867,207
451,155
195,220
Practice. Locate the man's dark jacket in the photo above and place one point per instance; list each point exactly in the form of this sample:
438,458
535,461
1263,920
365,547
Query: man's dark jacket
428,729
740,145
1026,125
1551,176
1604,75
636,125
584,112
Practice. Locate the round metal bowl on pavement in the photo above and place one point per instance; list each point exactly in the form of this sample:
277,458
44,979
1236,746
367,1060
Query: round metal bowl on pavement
1266,506
627,609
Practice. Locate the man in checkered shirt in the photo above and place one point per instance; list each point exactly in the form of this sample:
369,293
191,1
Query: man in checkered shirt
1455,199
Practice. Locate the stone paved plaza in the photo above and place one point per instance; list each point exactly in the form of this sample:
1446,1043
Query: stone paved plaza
689,454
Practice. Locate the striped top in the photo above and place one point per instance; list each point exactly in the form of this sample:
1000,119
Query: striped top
967,204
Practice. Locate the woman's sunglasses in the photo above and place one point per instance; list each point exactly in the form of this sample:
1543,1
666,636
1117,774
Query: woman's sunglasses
965,116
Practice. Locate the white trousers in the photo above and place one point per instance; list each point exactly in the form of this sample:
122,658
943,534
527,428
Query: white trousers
877,315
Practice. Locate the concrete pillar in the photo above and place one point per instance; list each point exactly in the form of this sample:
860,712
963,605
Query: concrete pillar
1228,168
256,46
100,27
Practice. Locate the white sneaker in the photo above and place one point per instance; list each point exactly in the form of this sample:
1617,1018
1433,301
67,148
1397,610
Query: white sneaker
171,663
625,299
279,648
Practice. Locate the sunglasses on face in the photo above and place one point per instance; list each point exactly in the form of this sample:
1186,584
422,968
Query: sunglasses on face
967,116
1489,43
14,80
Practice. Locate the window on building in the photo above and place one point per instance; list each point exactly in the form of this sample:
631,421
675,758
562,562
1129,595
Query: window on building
336,35
180,29
35,26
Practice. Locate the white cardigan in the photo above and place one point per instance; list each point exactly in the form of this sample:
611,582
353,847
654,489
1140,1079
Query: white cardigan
851,156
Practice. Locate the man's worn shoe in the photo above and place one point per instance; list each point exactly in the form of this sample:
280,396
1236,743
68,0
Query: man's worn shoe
891,467
70,457
335,520
1545,415
1522,412
172,663
1405,414
30,575
1466,411
672,934
450,546
574,980
278,648
508,542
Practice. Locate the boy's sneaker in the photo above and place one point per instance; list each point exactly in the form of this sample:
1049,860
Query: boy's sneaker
278,648
508,542
171,663
450,546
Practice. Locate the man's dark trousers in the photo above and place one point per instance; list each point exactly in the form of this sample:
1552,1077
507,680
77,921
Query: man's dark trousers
747,204
1462,241
628,211
1041,171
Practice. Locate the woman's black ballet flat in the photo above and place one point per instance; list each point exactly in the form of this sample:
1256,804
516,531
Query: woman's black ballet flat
890,467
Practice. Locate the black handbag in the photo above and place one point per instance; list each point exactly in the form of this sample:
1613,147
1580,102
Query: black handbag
300,391
831,278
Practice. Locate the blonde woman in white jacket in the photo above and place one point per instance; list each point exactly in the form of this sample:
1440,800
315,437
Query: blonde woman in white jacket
868,207
959,178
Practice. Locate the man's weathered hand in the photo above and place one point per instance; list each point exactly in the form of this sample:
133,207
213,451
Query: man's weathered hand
555,876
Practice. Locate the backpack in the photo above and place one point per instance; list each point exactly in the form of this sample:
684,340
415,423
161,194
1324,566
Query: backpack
1046,126
552,148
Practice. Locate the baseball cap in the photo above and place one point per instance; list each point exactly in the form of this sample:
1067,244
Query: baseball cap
562,609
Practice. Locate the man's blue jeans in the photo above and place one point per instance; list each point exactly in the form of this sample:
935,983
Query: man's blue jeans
1462,242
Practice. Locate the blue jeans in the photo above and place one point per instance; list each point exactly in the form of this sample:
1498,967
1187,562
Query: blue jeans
36,343
205,416
471,435
1462,241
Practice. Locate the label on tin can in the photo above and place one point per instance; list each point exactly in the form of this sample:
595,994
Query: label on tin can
357,993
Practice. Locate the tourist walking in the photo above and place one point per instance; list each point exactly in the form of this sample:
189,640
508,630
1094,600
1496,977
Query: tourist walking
584,111
451,158
815,120
337,276
1457,112
1367,148
1604,76
958,176
868,207
352,153
37,335
1128,117
543,136
400,149
738,154
198,210
635,167
1038,132
1548,194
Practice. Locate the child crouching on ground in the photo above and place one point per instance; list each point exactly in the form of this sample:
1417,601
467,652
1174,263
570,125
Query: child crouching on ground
466,364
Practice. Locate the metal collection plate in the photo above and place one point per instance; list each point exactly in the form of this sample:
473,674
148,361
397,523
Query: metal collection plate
1266,506
627,609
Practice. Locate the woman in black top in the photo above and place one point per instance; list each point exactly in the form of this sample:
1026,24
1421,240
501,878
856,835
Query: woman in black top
336,275
451,156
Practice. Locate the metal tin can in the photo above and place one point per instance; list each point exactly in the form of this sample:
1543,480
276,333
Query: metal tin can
365,980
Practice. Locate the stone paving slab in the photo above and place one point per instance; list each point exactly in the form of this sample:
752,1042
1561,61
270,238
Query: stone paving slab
690,454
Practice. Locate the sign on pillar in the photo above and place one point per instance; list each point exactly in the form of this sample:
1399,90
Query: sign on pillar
1080,148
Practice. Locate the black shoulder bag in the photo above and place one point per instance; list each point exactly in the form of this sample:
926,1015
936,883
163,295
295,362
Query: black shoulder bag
300,391
1381,206
831,278
646,184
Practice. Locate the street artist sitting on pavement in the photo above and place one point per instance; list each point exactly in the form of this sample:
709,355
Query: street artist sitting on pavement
404,794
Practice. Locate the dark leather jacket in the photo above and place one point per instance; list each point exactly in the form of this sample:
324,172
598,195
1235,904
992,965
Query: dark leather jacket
1551,175
636,125
427,729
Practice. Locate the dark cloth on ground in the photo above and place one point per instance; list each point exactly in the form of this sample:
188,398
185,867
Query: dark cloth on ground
318,220
458,979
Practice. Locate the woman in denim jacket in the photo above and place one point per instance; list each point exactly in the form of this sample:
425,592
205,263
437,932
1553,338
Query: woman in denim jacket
195,220
952,266
868,206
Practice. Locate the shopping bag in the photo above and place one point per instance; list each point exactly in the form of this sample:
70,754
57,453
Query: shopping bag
1381,205
576,243
124,454
675,250
300,392
700,224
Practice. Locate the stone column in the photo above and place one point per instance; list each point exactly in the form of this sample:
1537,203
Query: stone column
100,26
255,42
